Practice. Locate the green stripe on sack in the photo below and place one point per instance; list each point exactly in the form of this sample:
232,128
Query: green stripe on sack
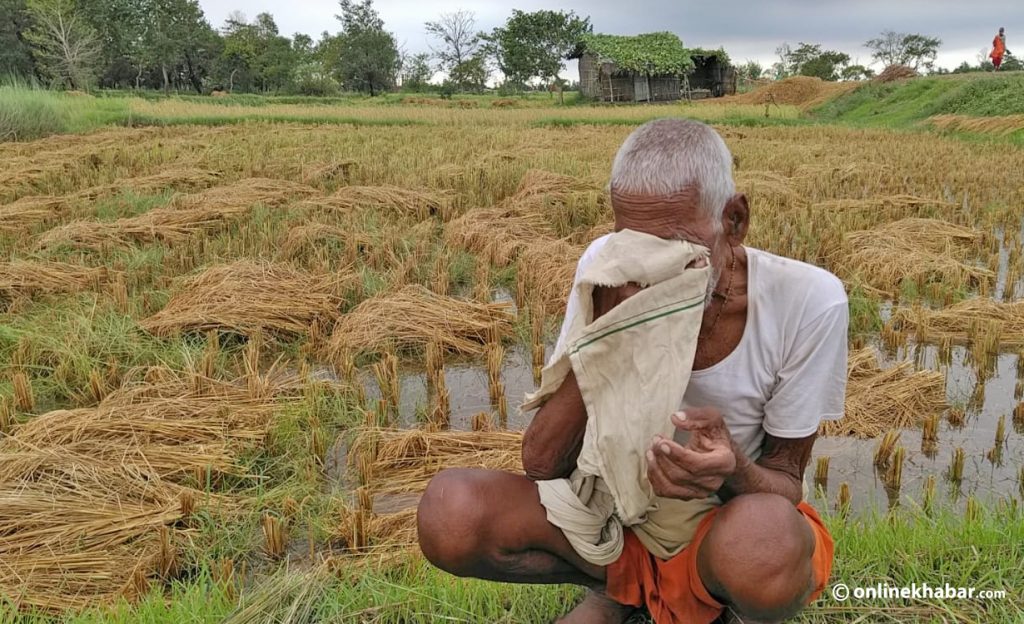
635,323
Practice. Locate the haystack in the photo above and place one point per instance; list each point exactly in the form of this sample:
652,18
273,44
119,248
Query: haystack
796,91
251,297
920,250
878,400
893,73
414,317
416,203
29,278
92,501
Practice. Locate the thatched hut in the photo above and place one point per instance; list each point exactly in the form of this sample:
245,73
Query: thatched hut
652,67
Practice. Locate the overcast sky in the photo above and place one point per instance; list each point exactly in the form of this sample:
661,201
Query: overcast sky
747,29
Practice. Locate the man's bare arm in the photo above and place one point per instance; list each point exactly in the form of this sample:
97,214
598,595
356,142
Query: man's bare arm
779,470
553,440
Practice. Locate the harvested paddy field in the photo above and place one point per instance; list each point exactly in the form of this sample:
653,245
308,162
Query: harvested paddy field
232,356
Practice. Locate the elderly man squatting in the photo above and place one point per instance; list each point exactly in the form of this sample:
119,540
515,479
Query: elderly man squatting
770,364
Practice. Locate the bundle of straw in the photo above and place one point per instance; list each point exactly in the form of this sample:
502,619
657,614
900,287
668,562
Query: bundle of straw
878,400
540,182
28,278
413,317
769,188
497,234
185,216
303,236
911,249
325,173
87,496
179,179
966,321
416,203
25,213
246,193
547,269
249,297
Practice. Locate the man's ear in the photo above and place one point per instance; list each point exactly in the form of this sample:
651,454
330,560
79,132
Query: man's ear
736,219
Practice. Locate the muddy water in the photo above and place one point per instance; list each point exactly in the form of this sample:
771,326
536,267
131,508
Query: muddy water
851,460
467,388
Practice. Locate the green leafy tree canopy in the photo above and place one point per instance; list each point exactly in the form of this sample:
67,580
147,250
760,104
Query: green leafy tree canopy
533,45
369,59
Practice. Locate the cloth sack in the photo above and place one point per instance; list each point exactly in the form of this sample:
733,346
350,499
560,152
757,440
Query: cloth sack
632,365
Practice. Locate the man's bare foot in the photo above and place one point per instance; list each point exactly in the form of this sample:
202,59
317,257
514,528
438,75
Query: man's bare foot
598,608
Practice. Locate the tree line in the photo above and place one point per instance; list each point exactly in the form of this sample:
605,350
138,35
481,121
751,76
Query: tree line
913,50
170,45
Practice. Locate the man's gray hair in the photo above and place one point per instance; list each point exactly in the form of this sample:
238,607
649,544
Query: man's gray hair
667,156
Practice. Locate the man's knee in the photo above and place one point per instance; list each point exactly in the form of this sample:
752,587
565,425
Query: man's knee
451,521
758,556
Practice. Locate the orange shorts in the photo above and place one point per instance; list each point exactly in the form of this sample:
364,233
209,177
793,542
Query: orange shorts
672,590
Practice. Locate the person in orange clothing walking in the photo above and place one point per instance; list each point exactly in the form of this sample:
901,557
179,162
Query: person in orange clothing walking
998,49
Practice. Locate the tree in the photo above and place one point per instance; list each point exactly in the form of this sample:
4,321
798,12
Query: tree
827,65
65,48
532,45
416,72
913,50
302,45
809,60
179,42
119,26
857,72
459,41
256,57
368,60
15,51
751,70
471,74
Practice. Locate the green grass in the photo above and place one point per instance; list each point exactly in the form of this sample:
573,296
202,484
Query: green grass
28,112
905,547
900,104
61,342
128,203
